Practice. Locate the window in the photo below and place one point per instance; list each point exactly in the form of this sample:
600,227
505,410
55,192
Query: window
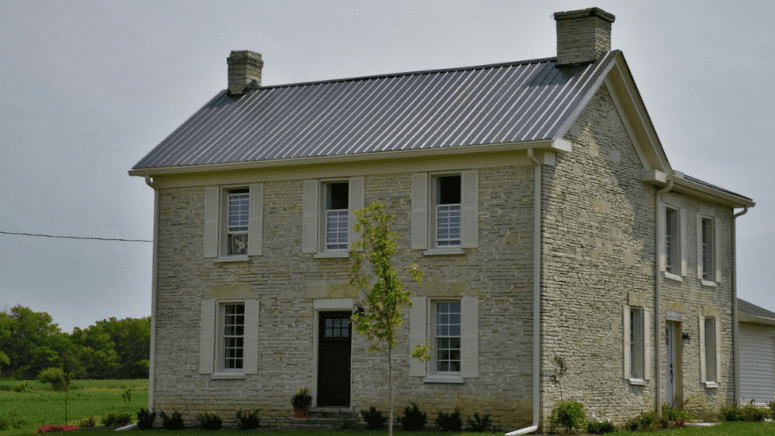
238,205
447,336
233,222
328,216
672,258
708,255
671,240
337,211
445,216
232,337
637,360
710,364
451,326
229,338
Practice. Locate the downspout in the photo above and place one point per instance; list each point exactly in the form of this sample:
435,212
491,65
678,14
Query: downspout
536,297
735,342
657,301
155,277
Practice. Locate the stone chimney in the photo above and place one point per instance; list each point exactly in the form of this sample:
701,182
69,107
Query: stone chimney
244,67
583,36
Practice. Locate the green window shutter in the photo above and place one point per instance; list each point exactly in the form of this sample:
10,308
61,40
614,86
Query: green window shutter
212,207
646,344
717,249
356,202
251,337
309,239
419,211
684,243
256,224
469,185
469,337
417,333
626,343
207,338
703,376
662,232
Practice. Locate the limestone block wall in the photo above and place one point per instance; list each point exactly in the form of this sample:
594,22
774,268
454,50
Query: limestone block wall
287,282
598,254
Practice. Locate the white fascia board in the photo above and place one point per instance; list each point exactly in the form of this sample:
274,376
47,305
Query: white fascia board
706,192
561,145
746,317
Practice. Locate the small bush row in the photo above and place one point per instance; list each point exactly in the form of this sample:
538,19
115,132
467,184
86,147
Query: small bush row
413,420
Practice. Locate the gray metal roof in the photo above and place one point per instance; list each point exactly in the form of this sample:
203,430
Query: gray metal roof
702,182
489,104
752,309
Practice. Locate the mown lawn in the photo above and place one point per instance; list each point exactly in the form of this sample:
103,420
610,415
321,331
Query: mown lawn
37,404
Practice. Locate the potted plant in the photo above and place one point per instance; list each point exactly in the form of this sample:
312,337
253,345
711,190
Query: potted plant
301,401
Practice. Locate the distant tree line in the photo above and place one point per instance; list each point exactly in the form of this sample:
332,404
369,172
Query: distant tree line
109,349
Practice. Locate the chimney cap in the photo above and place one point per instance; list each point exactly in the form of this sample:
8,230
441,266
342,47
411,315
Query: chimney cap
581,13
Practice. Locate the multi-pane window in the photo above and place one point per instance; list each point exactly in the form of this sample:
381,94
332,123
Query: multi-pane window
710,349
238,201
636,343
448,211
233,338
337,210
672,241
447,336
707,249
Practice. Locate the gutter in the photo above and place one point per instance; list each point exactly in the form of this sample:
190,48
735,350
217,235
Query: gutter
536,298
735,342
155,277
658,301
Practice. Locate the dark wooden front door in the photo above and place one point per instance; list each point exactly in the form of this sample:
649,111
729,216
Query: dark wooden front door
334,344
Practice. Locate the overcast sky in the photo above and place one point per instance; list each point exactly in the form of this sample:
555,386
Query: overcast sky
88,88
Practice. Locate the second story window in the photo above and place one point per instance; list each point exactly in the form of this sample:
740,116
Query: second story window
672,241
336,213
447,211
707,249
238,202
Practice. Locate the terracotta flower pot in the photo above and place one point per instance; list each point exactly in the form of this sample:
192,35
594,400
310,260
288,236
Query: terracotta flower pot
299,413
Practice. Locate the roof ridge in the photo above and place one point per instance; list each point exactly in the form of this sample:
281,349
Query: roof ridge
413,73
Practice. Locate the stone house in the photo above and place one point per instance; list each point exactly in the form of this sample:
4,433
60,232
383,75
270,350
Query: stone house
535,195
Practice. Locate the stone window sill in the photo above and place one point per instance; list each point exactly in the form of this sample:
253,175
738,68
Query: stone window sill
227,376
332,255
672,276
637,382
243,258
436,378
711,385
443,252
708,284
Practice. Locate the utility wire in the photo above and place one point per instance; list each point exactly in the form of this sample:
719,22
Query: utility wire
75,237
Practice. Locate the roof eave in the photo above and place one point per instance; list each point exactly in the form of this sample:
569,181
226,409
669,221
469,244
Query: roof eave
695,189
747,317
557,145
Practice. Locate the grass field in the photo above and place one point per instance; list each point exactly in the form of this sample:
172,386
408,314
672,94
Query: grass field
37,404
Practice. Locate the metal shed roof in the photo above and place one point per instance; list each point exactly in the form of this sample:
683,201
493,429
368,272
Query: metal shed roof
489,104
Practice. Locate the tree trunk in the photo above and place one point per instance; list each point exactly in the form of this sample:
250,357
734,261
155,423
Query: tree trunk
390,372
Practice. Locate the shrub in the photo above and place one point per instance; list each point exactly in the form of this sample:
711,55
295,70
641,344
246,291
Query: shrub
145,419
413,419
479,424
772,408
752,413
600,427
117,419
11,420
171,422
89,422
373,417
248,421
55,376
210,421
568,414
302,399
730,414
449,421
649,421
24,387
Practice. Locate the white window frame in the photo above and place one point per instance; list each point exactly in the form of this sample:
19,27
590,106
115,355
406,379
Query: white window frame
446,217
425,213
673,237
217,230
422,325
212,354
708,251
236,201
710,356
636,344
315,216
435,336
334,216
225,320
